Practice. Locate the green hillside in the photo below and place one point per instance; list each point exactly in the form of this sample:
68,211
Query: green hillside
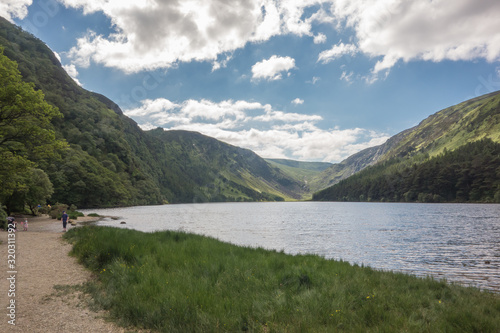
112,162
219,171
449,129
300,165
303,172
451,156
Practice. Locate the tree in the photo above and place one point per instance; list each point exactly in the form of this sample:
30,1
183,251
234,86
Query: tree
39,189
26,133
34,189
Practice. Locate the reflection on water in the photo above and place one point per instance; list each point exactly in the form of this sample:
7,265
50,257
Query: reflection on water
459,242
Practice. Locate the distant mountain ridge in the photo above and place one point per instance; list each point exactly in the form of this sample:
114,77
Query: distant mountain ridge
314,166
449,129
445,131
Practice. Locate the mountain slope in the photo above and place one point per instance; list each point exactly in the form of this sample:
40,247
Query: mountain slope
112,162
303,172
414,152
220,171
448,129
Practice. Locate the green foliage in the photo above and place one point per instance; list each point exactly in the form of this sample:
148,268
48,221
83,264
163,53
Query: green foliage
74,215
36,188
55,211
176,282
467,174
25,128
26,137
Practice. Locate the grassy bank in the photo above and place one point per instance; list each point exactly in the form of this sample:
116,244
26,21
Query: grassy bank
177,282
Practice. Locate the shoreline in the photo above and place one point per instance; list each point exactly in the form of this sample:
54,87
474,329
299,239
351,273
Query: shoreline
44,291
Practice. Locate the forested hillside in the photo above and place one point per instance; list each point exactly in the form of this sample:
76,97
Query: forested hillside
110,161
447,129
452,156
470,173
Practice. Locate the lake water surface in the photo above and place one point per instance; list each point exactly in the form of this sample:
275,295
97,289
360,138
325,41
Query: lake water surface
459,242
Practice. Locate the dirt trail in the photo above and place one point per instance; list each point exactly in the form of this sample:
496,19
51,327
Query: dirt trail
42,262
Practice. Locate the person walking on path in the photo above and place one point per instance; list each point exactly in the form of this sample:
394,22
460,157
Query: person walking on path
64,220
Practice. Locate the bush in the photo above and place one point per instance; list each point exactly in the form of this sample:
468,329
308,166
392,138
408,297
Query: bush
56,210
74,214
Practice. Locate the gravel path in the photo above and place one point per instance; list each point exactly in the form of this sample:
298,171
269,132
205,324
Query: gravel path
47,298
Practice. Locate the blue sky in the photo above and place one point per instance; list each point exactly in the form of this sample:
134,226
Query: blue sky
314,80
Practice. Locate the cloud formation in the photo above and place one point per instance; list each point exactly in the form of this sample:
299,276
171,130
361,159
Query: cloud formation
72,71
158,33
272,68
256,126
11,9
395,30
336,52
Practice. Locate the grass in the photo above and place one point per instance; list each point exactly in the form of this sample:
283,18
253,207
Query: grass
178,282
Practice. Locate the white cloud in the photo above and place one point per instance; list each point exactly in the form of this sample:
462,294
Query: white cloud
221,64
272,68
314,80
71,70
336,52
273,116
319,38
256,126
156,34
150,107
57,56
11,9
298,101
347,76
395,30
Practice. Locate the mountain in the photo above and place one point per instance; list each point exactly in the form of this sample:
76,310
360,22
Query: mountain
220,171
303,172
112,162
300,165
402,166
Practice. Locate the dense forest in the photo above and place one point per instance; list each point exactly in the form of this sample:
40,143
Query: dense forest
470,173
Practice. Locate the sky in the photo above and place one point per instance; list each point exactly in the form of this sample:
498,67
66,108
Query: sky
309,80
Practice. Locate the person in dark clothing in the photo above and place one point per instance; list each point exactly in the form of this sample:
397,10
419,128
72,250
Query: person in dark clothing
64,219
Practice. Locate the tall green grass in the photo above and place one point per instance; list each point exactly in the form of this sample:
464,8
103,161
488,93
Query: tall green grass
178,282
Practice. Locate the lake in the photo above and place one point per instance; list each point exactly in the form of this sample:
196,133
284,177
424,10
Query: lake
459,242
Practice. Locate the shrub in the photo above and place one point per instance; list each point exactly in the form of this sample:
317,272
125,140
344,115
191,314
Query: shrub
56,210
